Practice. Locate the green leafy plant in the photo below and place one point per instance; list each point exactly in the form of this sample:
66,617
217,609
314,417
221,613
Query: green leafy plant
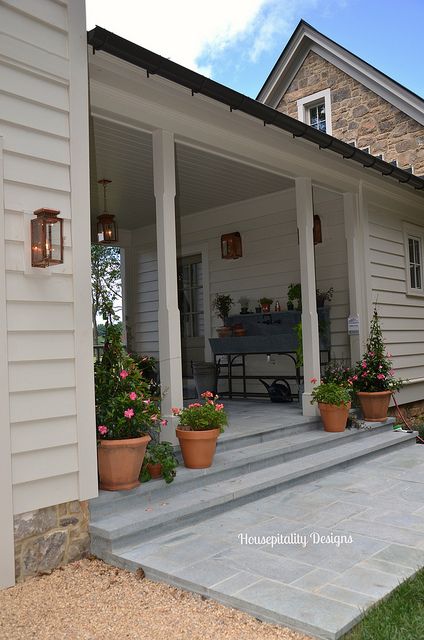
330,393
299,349
421,431
162,453
203,416
147,365
323,296
265,301
222,304
294,294
374,372
124,406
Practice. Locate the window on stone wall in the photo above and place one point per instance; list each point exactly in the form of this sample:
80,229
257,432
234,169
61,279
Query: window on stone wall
317,117
315,110
413,238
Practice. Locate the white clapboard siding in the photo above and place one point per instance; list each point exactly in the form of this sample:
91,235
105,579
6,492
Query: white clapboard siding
402,315
269,265
42,374
43,434
41,404
41,63
33,465
44,493
42,345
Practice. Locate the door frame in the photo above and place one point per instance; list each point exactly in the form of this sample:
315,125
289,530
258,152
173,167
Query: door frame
203,250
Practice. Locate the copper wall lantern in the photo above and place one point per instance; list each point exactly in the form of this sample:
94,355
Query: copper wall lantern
46,238
231,247
106,225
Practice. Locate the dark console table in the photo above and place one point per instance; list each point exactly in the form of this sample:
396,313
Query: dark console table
266,333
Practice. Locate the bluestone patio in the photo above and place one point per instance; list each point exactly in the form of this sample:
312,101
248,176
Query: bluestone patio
291,524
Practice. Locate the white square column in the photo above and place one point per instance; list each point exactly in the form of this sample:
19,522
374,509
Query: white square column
169,314
310,334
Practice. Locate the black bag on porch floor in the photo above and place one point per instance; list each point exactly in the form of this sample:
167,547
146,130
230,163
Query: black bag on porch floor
279,390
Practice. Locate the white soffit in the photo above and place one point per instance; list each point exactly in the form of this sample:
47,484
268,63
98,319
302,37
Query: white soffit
204,180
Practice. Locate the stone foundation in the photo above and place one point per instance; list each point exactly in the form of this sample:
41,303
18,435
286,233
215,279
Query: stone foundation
412,411
50,537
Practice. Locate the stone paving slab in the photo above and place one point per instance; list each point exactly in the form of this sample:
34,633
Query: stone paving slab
320,588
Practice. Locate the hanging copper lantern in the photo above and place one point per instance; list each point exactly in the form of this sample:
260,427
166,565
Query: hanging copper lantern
231,247
106,225
46,238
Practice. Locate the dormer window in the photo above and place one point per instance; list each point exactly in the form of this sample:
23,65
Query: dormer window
315,110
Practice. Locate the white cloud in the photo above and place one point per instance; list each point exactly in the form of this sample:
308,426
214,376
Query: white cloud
197,34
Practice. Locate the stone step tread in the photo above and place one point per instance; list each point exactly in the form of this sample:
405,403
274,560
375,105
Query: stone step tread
151,511
236,458
234,433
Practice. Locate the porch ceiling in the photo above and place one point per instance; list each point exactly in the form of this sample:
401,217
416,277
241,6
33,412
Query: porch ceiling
204,180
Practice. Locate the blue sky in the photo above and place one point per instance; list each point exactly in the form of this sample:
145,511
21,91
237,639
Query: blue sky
237,42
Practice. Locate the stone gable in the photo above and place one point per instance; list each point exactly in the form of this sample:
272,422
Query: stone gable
359,114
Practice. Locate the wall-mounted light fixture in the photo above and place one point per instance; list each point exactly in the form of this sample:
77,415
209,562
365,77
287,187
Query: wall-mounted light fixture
231,247
46,238
317,231
106,226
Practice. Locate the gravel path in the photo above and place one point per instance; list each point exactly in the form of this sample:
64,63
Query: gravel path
89,600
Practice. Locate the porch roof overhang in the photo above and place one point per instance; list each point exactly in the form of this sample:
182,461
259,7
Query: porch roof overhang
104,40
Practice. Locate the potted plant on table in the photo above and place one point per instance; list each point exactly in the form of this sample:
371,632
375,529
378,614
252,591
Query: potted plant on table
373,379
126,415
198,430
294,294
333,401
161,461
265,304
222,304
244,304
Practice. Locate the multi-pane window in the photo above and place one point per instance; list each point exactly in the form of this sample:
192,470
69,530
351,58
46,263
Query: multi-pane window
190,296
415,263
317,117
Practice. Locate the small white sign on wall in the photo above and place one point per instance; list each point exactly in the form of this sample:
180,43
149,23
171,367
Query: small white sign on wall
353,325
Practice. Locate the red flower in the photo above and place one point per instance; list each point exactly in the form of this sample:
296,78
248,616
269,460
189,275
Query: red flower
124,374
314,380
128,413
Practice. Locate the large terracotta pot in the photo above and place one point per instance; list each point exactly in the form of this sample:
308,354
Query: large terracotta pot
334,417
374,405
198,447
120,462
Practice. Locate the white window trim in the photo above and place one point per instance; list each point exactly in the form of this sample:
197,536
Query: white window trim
417,232
303,105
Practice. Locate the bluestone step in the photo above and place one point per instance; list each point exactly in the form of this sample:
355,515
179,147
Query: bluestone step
154,513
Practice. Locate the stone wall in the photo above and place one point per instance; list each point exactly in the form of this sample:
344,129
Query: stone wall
50,537
358,114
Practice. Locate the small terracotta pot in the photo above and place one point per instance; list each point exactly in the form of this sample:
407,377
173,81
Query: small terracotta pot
374,405
334,417
120,462
198,447
155,470
266,308
224,332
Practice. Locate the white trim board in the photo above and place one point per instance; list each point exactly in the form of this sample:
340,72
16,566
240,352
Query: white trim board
7,551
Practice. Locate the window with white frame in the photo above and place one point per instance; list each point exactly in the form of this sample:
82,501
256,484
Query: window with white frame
414,241
315,110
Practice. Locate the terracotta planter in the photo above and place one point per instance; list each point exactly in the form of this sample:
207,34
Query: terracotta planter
155,470
334,417
224,332
198,447
266,308
120,462
374,405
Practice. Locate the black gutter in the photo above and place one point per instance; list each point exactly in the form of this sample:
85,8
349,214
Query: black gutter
102,40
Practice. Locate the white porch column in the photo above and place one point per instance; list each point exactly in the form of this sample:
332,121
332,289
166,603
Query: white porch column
169,315
310,335
356,260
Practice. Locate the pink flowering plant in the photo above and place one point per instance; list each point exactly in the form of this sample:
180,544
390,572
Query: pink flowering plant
201,416
124,405
374,372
